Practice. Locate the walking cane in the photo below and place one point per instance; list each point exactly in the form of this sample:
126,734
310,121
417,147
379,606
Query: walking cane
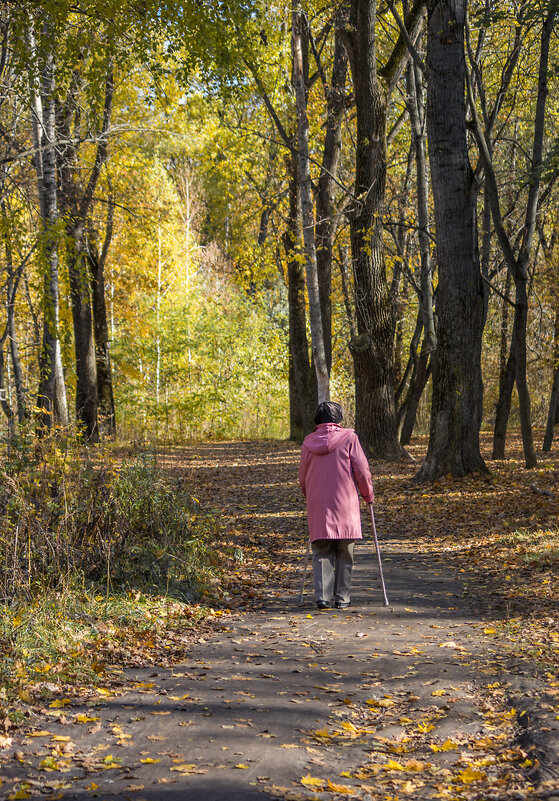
300,601
378,555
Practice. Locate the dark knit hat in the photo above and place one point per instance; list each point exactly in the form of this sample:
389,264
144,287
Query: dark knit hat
328,412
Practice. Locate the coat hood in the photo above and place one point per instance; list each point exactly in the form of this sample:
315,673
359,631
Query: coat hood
326,438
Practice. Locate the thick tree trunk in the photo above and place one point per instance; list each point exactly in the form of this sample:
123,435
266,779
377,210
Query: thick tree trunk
307,206
372,348
302,382
457,384
325,213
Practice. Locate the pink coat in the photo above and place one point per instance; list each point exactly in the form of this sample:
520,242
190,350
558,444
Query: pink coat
332,467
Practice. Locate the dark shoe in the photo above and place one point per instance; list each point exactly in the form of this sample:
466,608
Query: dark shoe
342,604
323,605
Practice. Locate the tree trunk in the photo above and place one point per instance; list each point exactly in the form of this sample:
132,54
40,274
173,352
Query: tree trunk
457,384
44,136
372,348
302,383
84,345
97,261
418,383
553,411
502,410
416,111
349,310
325,214
12,282
307,206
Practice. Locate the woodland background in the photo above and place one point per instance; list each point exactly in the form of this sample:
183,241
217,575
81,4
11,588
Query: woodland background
171,175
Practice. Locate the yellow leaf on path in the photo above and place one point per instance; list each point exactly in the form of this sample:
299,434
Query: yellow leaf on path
322,732
383,703
425,727
19,794
183,768
340,788
150,761
471,775
448,745
41,733
489,631
25,696
312,781
242,767
60,702
438,692
49,763
60,738
393,765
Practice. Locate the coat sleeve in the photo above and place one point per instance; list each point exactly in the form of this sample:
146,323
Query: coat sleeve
360,468
303,463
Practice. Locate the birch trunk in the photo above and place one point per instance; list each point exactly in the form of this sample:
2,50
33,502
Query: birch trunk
44,135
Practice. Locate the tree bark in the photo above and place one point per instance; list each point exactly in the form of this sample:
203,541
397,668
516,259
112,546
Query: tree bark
457,384
51,392
553,410
97,261
325,212
302,383
307,206
372,348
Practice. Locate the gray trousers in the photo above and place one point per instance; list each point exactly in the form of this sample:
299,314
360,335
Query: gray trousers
332,564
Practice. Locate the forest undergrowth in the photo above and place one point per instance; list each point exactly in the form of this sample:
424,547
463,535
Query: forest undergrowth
104,563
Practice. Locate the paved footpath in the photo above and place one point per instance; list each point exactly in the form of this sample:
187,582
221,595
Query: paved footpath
287,702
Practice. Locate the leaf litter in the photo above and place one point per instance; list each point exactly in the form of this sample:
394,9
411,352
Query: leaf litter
464,527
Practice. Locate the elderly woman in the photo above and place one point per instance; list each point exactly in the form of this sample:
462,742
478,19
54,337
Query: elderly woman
332,468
